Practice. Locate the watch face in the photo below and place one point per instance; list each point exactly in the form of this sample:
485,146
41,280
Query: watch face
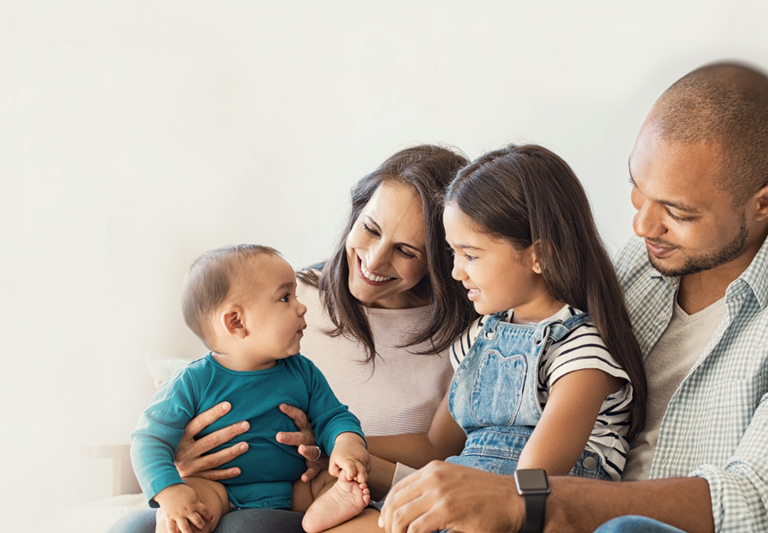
534,480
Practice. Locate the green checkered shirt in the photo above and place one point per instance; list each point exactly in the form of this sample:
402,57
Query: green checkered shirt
716,424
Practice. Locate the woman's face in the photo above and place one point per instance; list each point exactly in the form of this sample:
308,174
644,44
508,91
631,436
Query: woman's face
386,249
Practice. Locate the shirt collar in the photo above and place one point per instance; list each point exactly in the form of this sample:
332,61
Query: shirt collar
755,277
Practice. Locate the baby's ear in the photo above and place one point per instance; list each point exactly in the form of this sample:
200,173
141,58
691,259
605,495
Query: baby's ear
232,321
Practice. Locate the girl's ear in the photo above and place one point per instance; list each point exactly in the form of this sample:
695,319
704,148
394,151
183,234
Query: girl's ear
232,319
534,262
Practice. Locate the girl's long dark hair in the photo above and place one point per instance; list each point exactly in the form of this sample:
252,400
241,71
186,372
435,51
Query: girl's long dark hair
530,196
428,169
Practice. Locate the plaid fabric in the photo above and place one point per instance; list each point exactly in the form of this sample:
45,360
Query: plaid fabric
716,425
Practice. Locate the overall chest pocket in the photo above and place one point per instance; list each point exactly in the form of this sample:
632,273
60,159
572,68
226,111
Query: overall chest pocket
498,388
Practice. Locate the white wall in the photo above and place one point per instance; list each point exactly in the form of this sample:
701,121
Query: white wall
136,135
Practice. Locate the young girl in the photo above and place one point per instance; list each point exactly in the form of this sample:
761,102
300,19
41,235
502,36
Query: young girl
551,375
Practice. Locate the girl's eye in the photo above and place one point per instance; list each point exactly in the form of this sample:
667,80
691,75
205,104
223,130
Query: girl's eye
470,258
285,298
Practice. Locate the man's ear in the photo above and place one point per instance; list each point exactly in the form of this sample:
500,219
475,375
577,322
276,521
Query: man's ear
761,204
232,320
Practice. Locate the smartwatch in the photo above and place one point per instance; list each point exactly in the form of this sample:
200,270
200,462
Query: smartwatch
533,486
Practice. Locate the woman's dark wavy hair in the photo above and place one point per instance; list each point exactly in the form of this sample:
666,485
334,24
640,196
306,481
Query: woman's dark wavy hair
531,197
428,169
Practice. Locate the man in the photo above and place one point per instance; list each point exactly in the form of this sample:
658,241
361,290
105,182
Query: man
696,286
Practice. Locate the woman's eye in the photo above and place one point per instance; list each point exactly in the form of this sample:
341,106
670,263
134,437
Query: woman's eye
406,254
370,230
470,258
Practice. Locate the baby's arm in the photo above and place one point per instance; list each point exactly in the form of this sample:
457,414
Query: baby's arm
567,421
181,506
350,456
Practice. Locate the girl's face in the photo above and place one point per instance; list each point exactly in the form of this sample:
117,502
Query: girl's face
386,249
497,276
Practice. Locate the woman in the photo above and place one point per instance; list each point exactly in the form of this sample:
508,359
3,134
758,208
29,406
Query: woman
382,313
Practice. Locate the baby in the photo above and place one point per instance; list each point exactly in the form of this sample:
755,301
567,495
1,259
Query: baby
241,302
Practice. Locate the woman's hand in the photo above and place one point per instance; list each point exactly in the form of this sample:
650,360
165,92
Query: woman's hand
304,438
443,495
189,458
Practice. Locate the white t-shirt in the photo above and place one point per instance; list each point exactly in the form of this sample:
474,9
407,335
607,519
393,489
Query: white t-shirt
669,362
581,349
403,392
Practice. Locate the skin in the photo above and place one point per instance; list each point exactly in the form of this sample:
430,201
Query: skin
386,249
389,239
261,323
666,178
686,220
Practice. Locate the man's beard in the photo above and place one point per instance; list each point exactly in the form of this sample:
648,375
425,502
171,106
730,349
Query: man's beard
694,265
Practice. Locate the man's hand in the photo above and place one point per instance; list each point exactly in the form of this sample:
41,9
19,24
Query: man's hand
350,457
183,509
304,439
443,495
189,458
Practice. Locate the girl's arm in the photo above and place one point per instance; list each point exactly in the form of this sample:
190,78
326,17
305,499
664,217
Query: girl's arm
567,421
445,438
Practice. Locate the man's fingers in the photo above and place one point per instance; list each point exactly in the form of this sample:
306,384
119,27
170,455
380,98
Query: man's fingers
206,418
298,416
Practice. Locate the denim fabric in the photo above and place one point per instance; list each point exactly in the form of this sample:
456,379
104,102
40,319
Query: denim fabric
636,524
494,394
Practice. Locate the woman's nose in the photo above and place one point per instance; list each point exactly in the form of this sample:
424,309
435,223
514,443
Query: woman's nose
376,258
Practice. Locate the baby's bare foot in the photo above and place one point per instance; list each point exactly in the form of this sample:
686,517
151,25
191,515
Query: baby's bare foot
344,500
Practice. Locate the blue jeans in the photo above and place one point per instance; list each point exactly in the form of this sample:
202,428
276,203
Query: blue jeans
240,521
636,524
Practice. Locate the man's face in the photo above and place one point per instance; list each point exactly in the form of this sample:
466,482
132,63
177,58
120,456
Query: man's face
688,223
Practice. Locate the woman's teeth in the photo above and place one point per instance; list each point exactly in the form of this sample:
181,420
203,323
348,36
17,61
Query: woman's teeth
367,273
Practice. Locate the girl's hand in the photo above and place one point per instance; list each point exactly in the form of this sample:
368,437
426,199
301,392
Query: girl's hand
189,458
304,439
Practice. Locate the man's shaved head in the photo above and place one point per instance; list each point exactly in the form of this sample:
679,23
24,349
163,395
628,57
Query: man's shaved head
725,104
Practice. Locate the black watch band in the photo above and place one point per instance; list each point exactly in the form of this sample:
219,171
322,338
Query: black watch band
533,486
535,505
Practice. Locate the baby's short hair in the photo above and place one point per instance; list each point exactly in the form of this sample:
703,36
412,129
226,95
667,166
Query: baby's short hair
210,282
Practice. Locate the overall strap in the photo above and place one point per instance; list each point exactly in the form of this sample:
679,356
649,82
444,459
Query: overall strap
558,329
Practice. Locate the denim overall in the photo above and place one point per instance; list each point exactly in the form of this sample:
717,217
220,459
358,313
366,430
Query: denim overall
493,395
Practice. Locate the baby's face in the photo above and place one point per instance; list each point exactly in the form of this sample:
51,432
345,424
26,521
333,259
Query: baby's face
273,316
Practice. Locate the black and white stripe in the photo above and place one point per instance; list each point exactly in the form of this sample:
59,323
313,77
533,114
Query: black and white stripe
581,349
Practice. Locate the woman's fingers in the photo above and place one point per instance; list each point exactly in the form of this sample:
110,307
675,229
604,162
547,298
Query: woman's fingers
206,418
298,416
189,458
206,466
314,468
297,438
